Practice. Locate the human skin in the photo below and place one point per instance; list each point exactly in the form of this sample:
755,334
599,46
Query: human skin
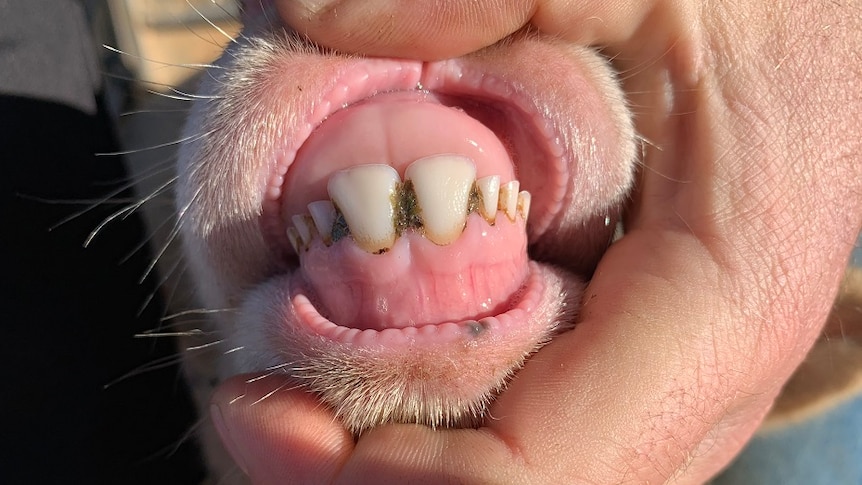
747,206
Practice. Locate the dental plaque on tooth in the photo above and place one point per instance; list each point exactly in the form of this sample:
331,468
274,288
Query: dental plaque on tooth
370,204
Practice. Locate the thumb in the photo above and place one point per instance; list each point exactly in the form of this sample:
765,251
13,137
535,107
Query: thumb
278,434
451,28
422,30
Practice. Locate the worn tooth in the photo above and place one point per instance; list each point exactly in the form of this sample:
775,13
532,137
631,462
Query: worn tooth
305,227
323,214
489,190
509,198
442,184
524,200
365,196
294,238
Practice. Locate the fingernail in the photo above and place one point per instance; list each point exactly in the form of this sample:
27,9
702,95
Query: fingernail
226,437
315,7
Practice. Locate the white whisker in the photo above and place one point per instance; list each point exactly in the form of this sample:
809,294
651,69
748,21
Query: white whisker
182,325
170,96
285,385
191,96
171,237
189,434
100,202
89,202
204,346
270,371
199,311
196,332
191,66
124,213
152,111
163,281
160,363
189,138
280,366
207,20
104,223
261,377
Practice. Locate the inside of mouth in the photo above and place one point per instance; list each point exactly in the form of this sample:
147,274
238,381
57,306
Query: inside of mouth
415,278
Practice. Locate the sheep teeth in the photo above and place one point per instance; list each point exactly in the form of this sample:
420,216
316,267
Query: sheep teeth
442,185
365,196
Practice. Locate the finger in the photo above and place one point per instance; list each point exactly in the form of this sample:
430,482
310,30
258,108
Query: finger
700,312
277,434
417,454
450,28
423,30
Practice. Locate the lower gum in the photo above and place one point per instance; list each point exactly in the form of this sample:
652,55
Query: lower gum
418,282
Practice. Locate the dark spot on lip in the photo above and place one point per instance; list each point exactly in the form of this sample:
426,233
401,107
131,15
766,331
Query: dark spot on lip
475,328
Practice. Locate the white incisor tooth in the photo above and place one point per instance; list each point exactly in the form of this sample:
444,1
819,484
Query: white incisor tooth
295,240
365,196
524,199
323,214
509,198
303,225
442,184
489,190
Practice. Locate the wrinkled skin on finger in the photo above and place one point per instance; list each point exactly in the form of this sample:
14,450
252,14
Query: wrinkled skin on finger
440,30
747,206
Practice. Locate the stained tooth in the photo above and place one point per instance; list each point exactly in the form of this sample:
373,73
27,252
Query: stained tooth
323,214
489,189
442,184
509,198
365,196
304,226
293,237
524,199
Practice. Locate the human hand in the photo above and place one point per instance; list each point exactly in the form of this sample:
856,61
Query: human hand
746,208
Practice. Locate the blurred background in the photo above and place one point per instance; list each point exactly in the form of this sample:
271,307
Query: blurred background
83,399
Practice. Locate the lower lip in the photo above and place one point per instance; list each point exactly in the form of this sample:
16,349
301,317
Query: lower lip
509,323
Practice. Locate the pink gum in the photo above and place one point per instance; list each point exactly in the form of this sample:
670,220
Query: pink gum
418,282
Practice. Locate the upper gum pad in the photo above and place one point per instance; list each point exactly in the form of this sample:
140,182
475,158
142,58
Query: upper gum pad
395,129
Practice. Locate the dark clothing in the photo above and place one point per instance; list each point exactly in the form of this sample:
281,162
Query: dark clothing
69,313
